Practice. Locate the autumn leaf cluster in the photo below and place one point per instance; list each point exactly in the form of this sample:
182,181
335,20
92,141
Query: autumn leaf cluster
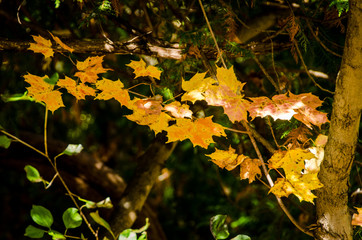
177,120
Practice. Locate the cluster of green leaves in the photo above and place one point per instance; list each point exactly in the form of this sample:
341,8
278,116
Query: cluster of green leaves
43,217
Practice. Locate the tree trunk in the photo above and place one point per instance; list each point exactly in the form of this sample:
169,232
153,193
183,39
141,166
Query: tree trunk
333,216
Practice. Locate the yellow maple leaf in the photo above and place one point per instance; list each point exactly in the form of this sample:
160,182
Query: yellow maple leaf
228,78
90,68
142,70
113,89
42,91
297,181
196,87
42,45
57,40
292,161
299,185
226,159
77,90
199,132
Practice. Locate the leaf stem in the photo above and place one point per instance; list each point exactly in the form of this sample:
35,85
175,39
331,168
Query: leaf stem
45,131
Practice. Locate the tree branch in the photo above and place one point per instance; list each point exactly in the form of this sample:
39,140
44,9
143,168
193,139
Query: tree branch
136,193
141,47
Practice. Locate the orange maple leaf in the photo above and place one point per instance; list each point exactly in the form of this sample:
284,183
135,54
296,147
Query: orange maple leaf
42,46
199,132
113,89
77,90
57,40
90,68
149,112
249,168
141,70
42,91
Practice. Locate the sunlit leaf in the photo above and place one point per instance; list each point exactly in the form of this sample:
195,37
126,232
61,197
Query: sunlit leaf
43,92
71,218
42,45
200,131
41,216
219,228
90,68
113,89
142,70
5,141
64,46
80,90
98,219
34,232
32,174
73,149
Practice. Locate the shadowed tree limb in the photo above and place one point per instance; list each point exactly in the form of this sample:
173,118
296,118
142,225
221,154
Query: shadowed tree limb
136,193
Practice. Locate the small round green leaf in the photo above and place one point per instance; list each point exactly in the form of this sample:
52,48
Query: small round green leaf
41,216
34,232
241,237
127,234
56,235
32,174
218,227
72,218
5,141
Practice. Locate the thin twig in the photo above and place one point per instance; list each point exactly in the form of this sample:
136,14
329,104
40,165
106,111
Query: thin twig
45,131
271,80
234,130
306,69
212,34
271,183
320,42
273,62
24,143
272,131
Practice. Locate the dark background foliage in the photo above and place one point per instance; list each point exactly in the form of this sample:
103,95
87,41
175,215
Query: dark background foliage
194,189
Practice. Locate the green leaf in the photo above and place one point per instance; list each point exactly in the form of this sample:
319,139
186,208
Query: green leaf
72,218
218,227
106,203
34,232
101,221
16,97
127,234
56,235
73,149
32,174
143,236
41,216
5,141
53,79
241,237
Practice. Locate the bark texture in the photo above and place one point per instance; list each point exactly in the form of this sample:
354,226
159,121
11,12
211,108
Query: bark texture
149,168
333,216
